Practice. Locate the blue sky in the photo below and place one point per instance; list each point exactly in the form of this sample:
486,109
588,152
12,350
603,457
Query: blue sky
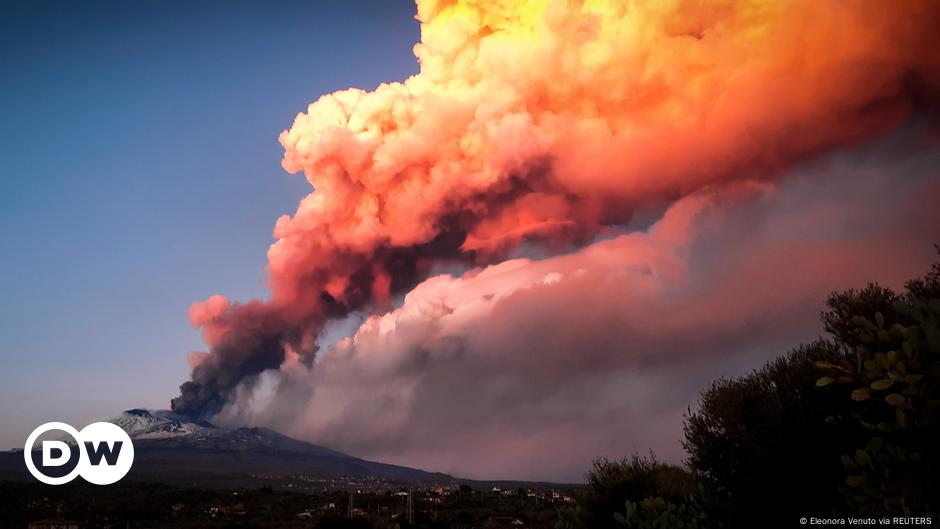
141,171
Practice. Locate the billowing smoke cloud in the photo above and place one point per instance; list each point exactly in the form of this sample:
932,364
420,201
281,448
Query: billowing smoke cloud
531,368
553,123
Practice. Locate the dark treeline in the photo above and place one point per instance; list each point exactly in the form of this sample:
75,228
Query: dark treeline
845,426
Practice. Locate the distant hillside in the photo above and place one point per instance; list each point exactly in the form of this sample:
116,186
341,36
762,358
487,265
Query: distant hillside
176,450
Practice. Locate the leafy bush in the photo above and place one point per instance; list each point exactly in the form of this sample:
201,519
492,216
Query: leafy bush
613,482
658,513
769,441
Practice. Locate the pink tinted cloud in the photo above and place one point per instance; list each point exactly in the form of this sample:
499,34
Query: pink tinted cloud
530,368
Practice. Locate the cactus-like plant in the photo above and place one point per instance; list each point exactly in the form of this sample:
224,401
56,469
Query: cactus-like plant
654,512
894,384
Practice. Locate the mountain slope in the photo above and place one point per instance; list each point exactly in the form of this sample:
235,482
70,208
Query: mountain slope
164,429
176,450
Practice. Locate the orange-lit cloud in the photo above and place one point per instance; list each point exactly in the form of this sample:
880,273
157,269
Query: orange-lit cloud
551,123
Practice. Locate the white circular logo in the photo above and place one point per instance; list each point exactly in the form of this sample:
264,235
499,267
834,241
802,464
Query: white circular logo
105,453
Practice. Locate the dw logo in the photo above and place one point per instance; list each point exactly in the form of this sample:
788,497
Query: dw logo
102,454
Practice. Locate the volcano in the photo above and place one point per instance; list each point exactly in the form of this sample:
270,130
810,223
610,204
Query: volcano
176,450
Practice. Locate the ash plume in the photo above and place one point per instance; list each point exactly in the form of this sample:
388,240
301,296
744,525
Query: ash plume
550,123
